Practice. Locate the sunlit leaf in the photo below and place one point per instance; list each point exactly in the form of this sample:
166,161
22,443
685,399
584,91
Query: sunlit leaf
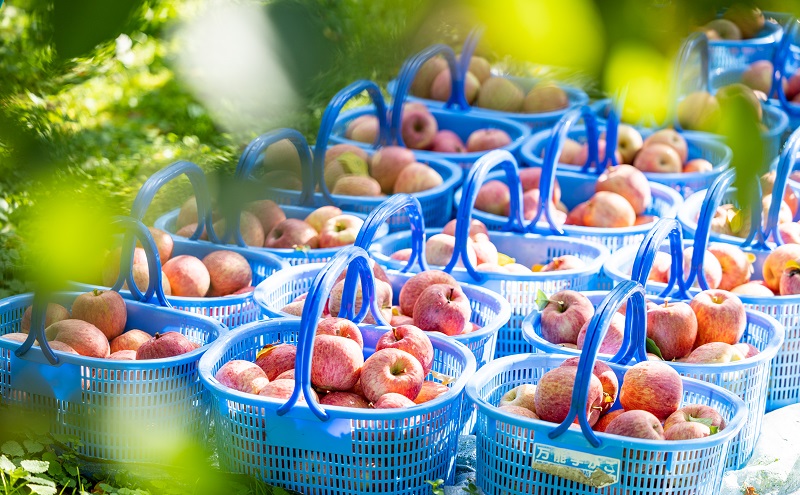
34,466
12,448
541,299
653,348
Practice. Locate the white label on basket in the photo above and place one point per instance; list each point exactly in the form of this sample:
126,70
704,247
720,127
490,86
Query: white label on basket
590,469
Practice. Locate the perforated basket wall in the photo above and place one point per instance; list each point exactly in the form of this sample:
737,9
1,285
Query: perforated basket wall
731,54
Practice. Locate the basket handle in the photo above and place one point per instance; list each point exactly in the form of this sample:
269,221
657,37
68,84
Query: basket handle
779,65
695,41
552,153
385,211
407,74
476,178
129,227
785,167
645,256
332,112
468,49
198,179
248,161
593,140
598,326
348,257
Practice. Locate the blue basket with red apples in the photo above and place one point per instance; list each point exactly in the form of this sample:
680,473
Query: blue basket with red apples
455,132
578,205
686,163
118,375
312,432
741,35
512,263
551,423
702,111
709,335
535,102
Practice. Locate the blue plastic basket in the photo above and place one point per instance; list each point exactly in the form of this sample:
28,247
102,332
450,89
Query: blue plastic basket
305,447
729,54
167,222
528,249
577,188
543,120
456,115
532,153
232,310
520,456
120,411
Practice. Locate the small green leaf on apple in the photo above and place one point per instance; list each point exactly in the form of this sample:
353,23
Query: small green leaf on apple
653,348
703,421
714,429
541,299
265,350
737,221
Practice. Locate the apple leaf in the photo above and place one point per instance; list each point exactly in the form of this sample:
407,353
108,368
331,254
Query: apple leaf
653,348
264,350
504,259
737,221
714,429
541,299
704,421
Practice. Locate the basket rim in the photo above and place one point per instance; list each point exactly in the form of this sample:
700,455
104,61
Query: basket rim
662,191
536,140
519,132
311,269
770,33
491,369
215,353
147,364
601,256
763,357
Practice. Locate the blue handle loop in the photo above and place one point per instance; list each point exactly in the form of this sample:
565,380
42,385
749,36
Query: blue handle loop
779,61
468,49
695,41
552,153
609,158
249,159
385,211
785,167
36,333
332,112
633,346
646,255
476,178
348,257
407,74
198,179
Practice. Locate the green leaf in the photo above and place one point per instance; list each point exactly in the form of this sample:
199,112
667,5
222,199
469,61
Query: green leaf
12,448
541,299
714,429
6,465
71,469
35,467
653,348
33,447
40,481
42,490
737,221
704,421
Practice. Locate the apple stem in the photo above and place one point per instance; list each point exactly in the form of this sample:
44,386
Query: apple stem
97,292
157,335
452,289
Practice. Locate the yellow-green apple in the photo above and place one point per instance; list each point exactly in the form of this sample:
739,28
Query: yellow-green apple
775,264
652,386
629,142
612,342
447,141
725,29
164,345
344,399
53,313
228,271
747,17
789,284
439,250
698,165
499,93
477,229
671,138
712,269
188,213
737,267
608,379
636,423
721,317
239,374
391,370
275,359
673,327
480,67
268,212
83,337
341,327
564,315
356,185
727,95
383,294
493,197
583,155
338,150
291,233
520,396
658,158
421,86
335,363
130,340
417,177
317,218
418,127
545,97
104,309
442,308
282,155
442,86
609,210
519,411
699,111
340,231
487,139
412,289
554,395
606,419
392,400
662,263
715,352
345,163
412,340
747,350
630,183
755,288
250,226
387,163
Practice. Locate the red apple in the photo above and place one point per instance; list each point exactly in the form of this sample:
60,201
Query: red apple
53,313
608,379
417,177
628,182
344,399
292,233
429,391
412,340
652,386
565,314
747,350
239,375
554,395
418,127
737,267
442,308
340,231
104,309
392,400
391,370
658,158
188,276
228,271
673,328
83,337
268,212
520,396
636,424
477,229
519,411
130,340
274,359
417,284
341,328
447,141
487,139
775,264
756,288
671,138
335,363
493,197
715,352
629,142
606,419
711,267
698,165
609,210
439,250
317,218
721,317
168,344
387,163
612,342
